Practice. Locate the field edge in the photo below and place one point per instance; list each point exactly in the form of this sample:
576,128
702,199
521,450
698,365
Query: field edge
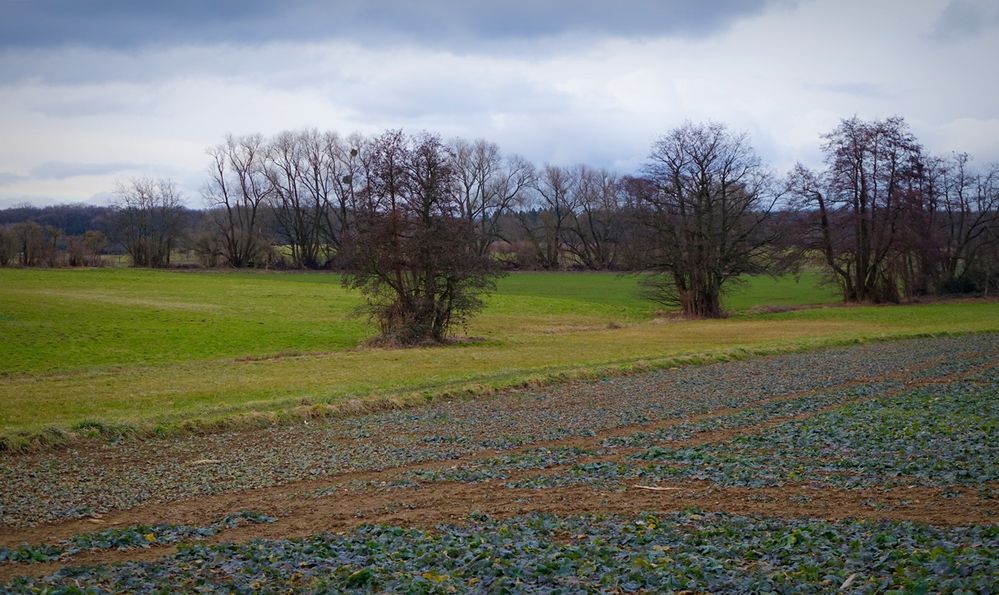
82,433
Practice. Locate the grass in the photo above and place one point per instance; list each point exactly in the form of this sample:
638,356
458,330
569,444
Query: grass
66,320
111,351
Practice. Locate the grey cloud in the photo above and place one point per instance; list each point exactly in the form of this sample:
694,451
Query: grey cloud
63,42
65,106
129,24
7,177
966,18
453,96
60,170
858,88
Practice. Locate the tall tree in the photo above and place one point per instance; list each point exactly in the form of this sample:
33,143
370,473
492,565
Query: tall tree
965,207
8,245
872,176
237,191
548,226
489,185
32,244
598,223
299,176
351,169
411,252
705,208
149,221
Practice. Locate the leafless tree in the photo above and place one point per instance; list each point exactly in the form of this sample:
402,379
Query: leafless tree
8,245
206,242
490,185
411,251
872,175
237,192
549,224
85,250
149,220
598,223
708,199
34,244
298,172
963,208
338,174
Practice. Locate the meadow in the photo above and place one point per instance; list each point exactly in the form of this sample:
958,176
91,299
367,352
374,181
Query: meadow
120,350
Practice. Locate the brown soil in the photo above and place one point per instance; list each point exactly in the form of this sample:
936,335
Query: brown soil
428,506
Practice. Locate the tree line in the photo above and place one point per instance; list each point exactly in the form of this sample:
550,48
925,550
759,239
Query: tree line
422,225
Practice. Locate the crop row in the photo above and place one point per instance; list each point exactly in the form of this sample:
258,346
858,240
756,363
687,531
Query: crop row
690,550
46,487
126,538
941,435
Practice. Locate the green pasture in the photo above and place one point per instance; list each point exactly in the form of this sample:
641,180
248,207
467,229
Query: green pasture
154,349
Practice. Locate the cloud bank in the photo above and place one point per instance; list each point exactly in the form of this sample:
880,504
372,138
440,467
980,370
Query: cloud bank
90,93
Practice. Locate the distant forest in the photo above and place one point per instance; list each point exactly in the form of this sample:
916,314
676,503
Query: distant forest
887,219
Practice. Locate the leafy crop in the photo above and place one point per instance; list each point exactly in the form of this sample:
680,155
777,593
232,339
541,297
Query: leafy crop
498,467
749,417
48,487
125,538
539,553
938,436
766,422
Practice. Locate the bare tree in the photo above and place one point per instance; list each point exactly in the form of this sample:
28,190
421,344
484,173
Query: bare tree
489,185
238,190
549,225
411,252
341,159
8,245
598,223
206,242
298,173
965,207
149,220
85,250
707,202
873,173
314,182
34,244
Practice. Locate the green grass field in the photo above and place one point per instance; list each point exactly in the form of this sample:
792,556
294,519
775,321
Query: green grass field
153,349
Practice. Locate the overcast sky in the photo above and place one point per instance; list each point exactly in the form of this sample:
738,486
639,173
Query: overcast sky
92,92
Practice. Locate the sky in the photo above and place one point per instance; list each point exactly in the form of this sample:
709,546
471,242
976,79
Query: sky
95,92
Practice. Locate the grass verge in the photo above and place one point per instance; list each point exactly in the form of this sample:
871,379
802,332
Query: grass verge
282,412
114,354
